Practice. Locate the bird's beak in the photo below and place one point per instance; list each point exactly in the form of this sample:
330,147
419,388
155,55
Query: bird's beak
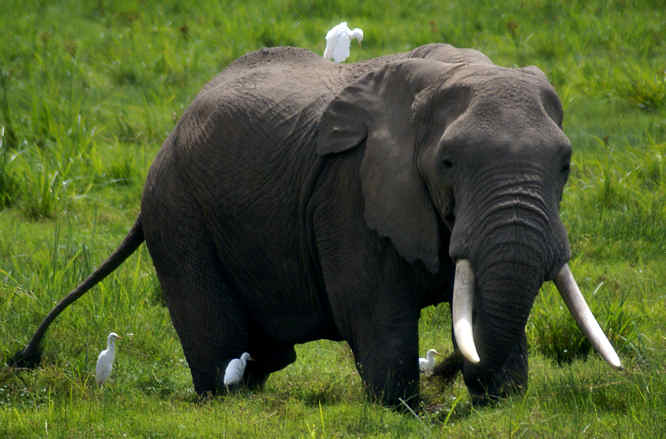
437,353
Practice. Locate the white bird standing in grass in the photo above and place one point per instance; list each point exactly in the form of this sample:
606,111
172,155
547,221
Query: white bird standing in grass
427,364
338,40
235,370
105,359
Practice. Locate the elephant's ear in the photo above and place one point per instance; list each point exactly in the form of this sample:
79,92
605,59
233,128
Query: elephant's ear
378,109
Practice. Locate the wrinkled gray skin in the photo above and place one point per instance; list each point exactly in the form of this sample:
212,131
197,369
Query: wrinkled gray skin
298,199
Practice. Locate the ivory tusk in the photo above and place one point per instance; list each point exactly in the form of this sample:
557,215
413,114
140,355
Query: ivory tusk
463,299
566,284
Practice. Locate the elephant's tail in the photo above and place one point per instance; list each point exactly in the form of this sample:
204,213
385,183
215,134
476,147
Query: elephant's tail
30,356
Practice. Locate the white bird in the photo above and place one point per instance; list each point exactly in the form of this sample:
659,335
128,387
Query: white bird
235,370
338,40
105,359
427,364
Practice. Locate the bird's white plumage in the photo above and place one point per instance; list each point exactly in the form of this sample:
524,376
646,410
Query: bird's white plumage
427,364
338,40
235,370
105,359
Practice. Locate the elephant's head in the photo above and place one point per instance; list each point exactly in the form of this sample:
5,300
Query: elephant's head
472,155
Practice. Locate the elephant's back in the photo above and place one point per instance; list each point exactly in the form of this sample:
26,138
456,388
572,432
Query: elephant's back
263,108
267,68
296,69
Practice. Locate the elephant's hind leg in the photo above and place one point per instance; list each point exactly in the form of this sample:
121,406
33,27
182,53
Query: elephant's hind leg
211,328
211,324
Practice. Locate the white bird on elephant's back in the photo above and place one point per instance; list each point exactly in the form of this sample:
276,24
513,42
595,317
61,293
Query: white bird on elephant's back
105,359
427,364
338,40
235,370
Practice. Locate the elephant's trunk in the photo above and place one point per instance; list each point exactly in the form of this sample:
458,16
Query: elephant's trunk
510,248
503,296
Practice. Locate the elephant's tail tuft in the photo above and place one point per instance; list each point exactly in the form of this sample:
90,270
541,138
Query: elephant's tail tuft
30,356
26,358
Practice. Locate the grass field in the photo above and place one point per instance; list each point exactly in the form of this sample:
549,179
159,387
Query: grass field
90,89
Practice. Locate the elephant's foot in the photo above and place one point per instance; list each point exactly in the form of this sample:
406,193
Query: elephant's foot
204,381
398,394
392,380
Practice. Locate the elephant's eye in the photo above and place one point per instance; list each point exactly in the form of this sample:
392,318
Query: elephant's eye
566,160
448,164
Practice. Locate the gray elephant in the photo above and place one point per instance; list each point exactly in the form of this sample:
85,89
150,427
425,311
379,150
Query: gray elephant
298,199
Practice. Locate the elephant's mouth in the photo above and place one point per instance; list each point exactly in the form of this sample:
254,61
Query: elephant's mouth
448,215
449,219
462,312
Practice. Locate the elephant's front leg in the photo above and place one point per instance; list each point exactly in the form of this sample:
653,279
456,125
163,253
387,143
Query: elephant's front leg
370,288
386,351
377,314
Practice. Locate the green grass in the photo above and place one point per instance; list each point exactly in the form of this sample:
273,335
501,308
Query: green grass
89,90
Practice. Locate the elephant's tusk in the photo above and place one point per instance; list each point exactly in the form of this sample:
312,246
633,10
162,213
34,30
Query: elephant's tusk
566,284
463,297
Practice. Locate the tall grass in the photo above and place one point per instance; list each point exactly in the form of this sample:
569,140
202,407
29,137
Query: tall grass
89,90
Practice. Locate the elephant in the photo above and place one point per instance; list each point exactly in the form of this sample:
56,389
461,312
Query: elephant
297,199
